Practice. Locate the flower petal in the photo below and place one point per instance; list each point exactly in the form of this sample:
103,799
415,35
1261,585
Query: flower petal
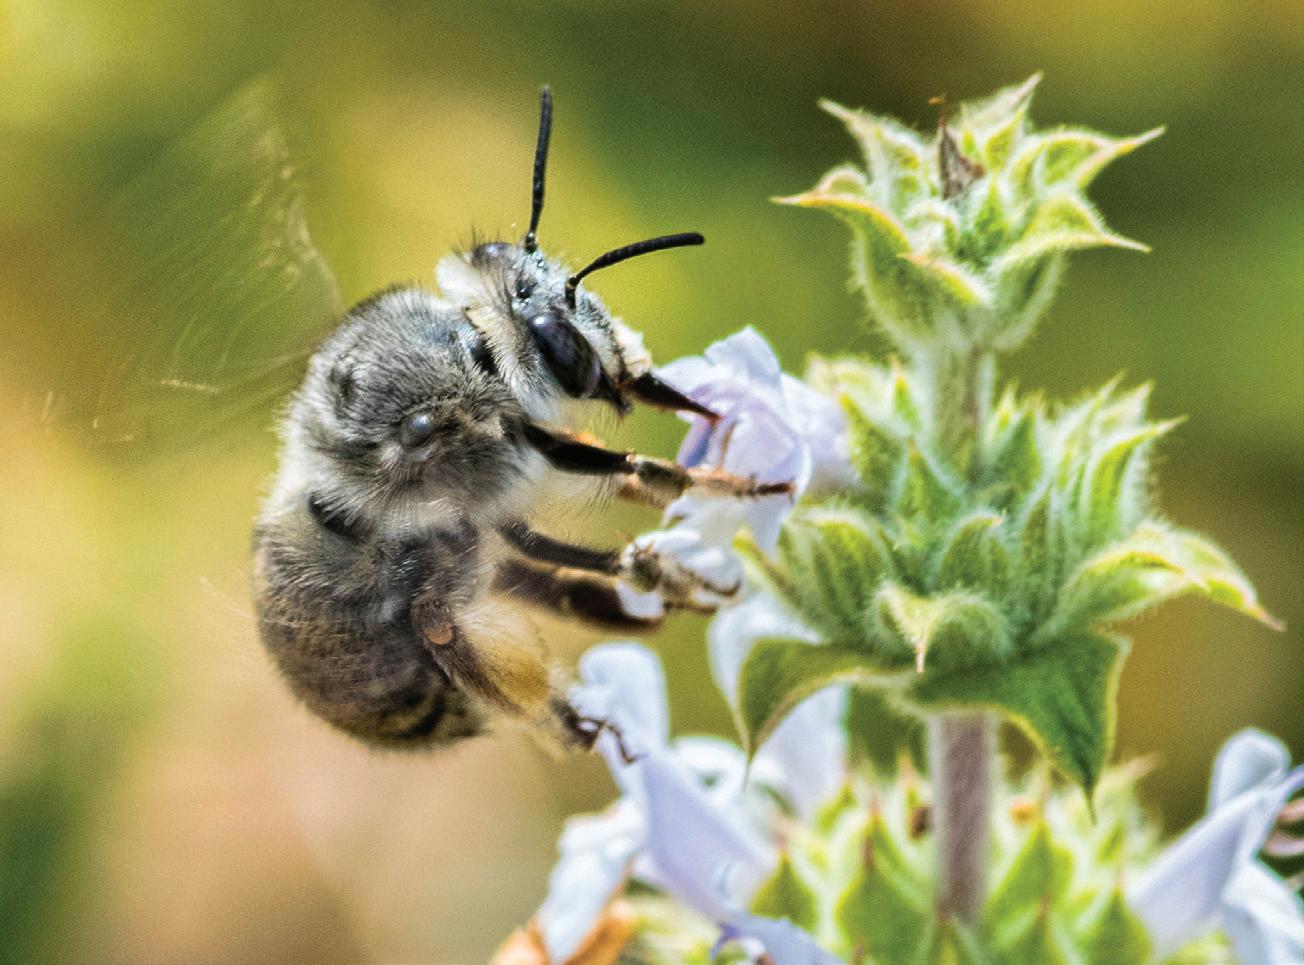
1181,896
736,629
702,853
784,942
772,427
1249,759
1263,917
809,751
596,854
623,683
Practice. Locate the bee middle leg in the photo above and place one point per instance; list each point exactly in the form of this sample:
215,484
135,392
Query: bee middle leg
640,565
644,479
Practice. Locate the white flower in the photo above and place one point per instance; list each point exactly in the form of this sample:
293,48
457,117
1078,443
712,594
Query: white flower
806,755
684,822
772,427
1211,877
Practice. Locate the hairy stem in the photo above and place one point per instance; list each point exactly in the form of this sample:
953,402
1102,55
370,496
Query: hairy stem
961,757
960,385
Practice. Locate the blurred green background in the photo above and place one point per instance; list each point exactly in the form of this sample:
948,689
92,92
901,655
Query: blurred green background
161,797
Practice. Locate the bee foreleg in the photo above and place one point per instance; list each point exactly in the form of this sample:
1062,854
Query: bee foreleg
595,598
646,479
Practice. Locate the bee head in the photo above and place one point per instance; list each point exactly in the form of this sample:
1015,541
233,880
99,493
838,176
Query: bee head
551,333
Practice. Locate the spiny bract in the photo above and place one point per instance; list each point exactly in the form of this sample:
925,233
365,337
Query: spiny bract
961,237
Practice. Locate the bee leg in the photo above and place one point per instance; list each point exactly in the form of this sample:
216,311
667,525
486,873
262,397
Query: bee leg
643,565
584,731
507,672
595,598
657,482
545,549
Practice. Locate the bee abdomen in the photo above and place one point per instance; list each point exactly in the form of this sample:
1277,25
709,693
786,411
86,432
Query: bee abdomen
370,677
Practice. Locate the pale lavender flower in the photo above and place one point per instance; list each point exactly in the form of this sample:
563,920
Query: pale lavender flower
683,822
772,427
1212,878
808,750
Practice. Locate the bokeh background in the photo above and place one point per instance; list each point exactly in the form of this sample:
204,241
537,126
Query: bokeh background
161,797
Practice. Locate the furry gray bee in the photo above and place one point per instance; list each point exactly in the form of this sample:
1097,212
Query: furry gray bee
413,455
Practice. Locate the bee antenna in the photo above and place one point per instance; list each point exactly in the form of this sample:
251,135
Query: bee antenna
531,242
616,255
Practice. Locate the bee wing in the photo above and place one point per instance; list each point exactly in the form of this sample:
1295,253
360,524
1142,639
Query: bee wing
221,294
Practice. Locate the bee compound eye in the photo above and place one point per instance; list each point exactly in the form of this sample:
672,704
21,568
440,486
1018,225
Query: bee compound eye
569,355
416,429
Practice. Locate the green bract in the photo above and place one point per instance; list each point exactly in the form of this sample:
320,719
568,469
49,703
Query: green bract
983,577
960,237
858,879
992,541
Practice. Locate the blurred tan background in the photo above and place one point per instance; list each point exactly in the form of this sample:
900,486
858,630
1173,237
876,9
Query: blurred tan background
163,800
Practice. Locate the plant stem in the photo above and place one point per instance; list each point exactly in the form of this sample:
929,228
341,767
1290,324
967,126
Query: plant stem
961,757
960,386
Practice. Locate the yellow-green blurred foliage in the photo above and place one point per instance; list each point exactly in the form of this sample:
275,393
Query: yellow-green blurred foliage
161,797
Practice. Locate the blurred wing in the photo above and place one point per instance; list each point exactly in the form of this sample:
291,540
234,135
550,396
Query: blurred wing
221,295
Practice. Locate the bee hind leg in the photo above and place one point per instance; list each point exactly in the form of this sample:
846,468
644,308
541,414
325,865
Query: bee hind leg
583,731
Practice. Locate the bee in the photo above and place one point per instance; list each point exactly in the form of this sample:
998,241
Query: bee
414,455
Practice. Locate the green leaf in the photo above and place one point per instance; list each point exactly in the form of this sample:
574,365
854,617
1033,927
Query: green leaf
956,629
928,494
1215,576
878,732
954,944
1114,935
861,381
901,298
1039,874
834,563
1061,695
1116,583
1062,222
1040,943
897,157
974,555
882,911
961,286
1037,561
1015,461
1023,293
1074,155
901,397
1070,155
982,113
785,895
999,142
779,674
909,292
1153,564
1112,497
987,228
876,454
